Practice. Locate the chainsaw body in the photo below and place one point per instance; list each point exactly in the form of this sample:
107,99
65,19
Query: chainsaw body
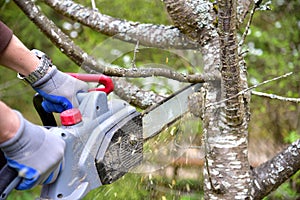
99,149
105,143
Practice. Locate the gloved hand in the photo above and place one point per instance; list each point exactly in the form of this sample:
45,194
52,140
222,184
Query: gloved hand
53,103
59,90
35,153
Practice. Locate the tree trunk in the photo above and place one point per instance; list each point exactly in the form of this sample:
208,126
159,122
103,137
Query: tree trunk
227,170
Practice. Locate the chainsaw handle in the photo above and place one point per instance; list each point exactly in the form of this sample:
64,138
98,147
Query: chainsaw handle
9,180
99,78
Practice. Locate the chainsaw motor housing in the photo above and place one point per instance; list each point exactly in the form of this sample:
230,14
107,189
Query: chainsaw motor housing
100,149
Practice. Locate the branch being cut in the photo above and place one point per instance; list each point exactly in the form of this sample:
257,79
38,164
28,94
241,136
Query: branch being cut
88,63
147,34
134,95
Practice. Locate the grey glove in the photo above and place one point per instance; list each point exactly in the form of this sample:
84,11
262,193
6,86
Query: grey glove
35,153
58,83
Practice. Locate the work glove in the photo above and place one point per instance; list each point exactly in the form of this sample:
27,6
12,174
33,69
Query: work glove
35,153
59,90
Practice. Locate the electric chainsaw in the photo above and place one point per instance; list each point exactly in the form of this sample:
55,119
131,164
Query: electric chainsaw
104,138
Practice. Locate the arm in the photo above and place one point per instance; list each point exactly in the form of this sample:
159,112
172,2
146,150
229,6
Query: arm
30,149
13,53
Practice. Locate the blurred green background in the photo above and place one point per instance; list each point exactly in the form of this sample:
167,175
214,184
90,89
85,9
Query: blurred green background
273,44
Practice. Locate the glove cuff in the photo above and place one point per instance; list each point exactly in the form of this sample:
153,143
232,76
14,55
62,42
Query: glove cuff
51,73
17,146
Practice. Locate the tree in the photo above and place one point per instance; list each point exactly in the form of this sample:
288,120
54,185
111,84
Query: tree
210,28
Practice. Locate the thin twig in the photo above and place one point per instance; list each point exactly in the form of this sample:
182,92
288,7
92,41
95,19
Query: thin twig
250,88
267,81
277,97
136,50
94,5
242,41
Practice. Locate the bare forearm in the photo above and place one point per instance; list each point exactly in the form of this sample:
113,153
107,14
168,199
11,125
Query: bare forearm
14,55
18,58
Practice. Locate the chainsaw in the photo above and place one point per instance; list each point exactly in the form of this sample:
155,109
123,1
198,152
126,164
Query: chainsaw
104,138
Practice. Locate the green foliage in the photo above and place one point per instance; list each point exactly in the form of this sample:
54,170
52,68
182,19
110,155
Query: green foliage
291,137
274,46
145,11
128,187
24,195
135,187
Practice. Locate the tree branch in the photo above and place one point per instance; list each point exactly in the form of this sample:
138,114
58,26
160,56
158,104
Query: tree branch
87,62
243,7
147,34
193,18
271,174
128,91
242,40
134,95
244,91
277,97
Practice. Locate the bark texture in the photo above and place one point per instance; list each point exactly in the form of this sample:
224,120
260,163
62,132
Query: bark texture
147,34
226,171
230,70
193,18
228,152
134,95
271,174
